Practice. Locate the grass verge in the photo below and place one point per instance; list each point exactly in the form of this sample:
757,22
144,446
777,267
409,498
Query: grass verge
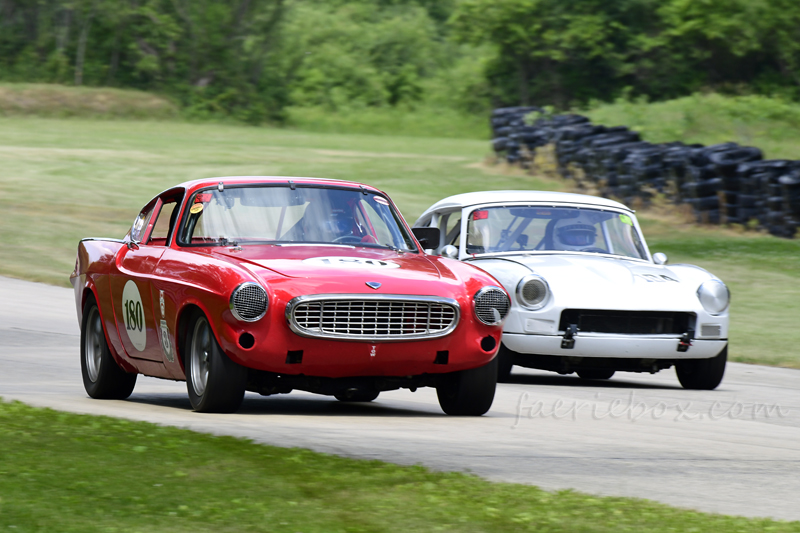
768,123
49,100
425,121
68,472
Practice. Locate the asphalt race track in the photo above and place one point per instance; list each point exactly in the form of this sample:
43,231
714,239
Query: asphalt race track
735,450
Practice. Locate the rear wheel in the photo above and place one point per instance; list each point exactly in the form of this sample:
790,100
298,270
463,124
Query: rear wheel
357,396
214,382
702,374
468,392
102,378
595,373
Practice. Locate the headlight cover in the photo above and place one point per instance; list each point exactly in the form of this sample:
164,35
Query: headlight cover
714,296
491,305
249,302
533,292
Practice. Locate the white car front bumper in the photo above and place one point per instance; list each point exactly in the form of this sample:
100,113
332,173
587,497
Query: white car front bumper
608,345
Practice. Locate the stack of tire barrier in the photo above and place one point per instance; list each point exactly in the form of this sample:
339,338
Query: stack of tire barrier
723,183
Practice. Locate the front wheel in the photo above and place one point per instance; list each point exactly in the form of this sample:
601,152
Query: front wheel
702,374
214,382
468,392
103,379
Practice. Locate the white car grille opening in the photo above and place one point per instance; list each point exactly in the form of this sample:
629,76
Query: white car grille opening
379,318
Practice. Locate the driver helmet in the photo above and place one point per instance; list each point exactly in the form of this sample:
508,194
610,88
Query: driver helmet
574,234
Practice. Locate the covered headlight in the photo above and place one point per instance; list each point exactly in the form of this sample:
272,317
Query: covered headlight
532,292
714,296
491,305
249,302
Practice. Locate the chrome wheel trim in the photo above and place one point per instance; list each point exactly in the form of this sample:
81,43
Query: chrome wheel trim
93,345
199,356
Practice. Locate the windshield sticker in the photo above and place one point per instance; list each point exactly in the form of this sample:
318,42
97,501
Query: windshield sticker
133,315
625,219
204,197
350,262
196,208
480,215
381,200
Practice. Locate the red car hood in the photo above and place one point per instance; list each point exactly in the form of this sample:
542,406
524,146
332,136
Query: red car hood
335,262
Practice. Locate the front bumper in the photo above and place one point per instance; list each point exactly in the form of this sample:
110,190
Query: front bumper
616,346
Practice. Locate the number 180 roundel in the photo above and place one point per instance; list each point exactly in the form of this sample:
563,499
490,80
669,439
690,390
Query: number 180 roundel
268,284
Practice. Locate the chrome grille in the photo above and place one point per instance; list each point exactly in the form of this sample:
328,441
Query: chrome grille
491,305
249,302
384,317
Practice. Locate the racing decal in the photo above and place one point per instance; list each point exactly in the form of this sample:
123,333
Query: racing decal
166,345
625,219
350,262
161,303
196,208
133,315
373,351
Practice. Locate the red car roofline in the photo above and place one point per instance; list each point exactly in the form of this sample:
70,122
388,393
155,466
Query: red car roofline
193,185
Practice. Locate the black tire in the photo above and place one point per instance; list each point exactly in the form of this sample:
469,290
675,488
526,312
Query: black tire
357,396
702,374
595,373
214,382
468,392
505,362
103,379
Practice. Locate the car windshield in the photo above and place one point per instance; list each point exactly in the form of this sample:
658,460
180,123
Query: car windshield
280,214
547,229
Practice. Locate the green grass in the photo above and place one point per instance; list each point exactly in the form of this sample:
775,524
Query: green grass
768,123
425,121
65,472
50,100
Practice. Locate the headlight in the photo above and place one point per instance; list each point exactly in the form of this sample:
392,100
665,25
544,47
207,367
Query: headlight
532,292
249,302
714,295
491,305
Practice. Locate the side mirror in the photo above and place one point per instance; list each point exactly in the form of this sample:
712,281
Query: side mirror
428,237
450,251
660,259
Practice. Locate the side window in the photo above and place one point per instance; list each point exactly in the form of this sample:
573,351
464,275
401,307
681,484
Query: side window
164,224
141,223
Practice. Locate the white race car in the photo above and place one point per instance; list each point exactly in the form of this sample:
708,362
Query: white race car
588,297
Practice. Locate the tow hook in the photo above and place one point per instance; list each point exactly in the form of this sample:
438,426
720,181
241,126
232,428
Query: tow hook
568,342
686,341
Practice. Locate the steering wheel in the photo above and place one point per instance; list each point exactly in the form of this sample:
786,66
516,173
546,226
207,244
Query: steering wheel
595,250
347,238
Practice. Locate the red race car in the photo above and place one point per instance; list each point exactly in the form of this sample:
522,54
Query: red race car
275,284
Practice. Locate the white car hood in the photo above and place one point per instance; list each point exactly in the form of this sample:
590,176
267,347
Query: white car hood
601,282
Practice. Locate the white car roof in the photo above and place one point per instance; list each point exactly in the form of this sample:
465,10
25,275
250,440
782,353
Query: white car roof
486,197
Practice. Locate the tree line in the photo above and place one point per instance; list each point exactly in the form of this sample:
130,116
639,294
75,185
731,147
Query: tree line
253,58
